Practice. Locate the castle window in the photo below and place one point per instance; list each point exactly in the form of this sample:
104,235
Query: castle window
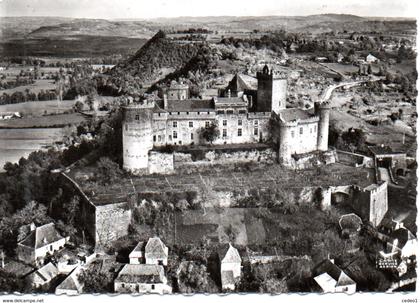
224,122
230,112
175,135
255,122
220,112
191,124
188,113
314,128
224,133
175,124
301,130
207,124
154,138
137,117
239,122
198,113
239,132
178,113
241,111
255,131
293,133
159,138
192,136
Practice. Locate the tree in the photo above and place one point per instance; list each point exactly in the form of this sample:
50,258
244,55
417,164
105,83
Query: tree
210,132
78,106
96,280
108,171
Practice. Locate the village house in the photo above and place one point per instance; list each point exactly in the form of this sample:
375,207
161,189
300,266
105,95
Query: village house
43,276
156,252
71,286
41,242
137,256
371,59
403,243
142,278
230,266
332,279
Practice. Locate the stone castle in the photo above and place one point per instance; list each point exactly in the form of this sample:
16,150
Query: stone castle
242,115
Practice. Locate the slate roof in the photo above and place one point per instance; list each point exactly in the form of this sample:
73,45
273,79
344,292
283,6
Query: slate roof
190,105
41,236
141,273
229,254
294,114
238,84
156,249
231,100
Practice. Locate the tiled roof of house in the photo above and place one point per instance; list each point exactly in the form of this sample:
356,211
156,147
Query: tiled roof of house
71,282
229,254
294,114
403,235
141,273
156,249
137,252
383,150
41,236
327,271
44,274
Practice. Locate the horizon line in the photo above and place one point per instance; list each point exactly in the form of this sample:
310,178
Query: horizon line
210,16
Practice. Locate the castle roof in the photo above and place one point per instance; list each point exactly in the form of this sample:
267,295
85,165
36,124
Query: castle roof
239,84
190,105
41,236
141,273
294,114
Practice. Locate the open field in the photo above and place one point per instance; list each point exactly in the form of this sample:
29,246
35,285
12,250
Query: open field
73,46
38,108
41,84
17,143
43,121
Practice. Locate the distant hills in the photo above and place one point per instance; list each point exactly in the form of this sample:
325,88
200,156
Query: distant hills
43,27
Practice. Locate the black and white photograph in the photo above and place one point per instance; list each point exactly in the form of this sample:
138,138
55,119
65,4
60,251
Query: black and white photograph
207,147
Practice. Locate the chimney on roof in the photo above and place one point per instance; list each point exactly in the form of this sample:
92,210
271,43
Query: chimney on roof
165,101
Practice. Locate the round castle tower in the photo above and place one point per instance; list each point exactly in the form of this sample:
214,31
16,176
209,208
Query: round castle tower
323,111
137,136
285,138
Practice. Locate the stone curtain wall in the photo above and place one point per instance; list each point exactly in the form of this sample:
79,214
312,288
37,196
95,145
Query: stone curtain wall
112,222
266,156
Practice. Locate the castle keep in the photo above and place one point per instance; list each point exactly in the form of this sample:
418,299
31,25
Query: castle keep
242,115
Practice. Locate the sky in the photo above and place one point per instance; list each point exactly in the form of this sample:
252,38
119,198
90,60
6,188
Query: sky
147,9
